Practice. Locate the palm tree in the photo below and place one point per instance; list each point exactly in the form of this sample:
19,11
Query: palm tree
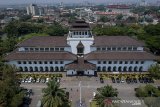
105,95
54,96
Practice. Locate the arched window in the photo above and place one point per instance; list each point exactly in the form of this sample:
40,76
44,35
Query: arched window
114,68
104,69
46,69
56,69
36,69
109,69
98,68
41,69
130,69
119,69
141,69
51,69
135,69
20,69
25,69
61,69
30,69
125,69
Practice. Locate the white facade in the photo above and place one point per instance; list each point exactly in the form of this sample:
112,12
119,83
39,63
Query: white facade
56,65
87,42
123,66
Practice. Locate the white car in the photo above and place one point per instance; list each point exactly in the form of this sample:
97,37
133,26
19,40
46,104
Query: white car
23,80
122,81
94,94
26,80
30,80
58,79
38,80
47,80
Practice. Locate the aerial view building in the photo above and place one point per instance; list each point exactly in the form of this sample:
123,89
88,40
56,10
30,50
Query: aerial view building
81,53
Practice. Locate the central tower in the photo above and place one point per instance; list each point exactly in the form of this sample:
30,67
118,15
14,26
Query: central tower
80,33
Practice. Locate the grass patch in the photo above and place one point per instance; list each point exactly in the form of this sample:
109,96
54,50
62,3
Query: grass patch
93,104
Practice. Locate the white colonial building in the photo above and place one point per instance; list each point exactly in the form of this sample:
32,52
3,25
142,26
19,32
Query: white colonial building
81,53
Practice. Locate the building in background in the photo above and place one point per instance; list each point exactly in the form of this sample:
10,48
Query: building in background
32,9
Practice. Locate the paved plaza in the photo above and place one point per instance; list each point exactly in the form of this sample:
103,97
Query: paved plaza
88,87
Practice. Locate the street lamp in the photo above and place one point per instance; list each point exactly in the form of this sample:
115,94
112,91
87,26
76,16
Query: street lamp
80,101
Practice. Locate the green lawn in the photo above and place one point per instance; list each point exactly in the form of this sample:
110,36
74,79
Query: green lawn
93,104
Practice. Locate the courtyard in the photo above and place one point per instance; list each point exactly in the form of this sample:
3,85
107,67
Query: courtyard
88,88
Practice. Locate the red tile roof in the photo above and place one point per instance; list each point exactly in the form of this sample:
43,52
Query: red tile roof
106,13
118,6
116,41
44,41
40,56
80,65
120,56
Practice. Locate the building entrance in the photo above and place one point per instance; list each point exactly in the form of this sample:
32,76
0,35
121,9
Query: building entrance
80,73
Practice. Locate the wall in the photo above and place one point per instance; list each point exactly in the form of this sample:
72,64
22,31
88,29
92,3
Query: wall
73,42
71,72
40,65
89,72
145,65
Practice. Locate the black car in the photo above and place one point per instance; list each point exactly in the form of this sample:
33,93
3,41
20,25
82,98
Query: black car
113,80
135,80
140,80
67,94
145,80
101,80
118,80
128,80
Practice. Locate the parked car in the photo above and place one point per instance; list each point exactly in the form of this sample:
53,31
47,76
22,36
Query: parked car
43,80
140,80
58,79
30,80
101,80
122,81
47,80
135,80
38,80
23,80
26,80
113,80
118,80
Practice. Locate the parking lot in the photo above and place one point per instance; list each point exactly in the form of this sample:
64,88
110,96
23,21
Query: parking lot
88,86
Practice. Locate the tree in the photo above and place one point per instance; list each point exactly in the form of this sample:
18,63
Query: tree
7,45
131,19
154,70
56,30
54,96
11,94
106,94
119,17
150,94
104,19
